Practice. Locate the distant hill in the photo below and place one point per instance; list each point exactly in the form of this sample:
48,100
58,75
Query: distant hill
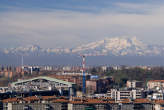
107,51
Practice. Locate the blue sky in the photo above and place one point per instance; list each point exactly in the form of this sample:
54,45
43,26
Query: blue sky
68,23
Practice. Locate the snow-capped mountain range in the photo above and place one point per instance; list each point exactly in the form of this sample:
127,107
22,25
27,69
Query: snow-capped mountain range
109,46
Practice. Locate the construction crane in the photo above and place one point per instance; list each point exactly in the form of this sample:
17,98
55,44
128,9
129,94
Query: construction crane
83,70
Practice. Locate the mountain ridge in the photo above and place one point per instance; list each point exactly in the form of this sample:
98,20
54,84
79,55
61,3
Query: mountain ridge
109,46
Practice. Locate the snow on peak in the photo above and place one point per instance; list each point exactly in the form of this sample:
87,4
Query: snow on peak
116,45
119,46
28,48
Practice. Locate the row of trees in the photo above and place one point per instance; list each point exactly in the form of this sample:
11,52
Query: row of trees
121,76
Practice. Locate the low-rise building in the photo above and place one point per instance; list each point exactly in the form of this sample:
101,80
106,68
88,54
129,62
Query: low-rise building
125,94
157,96
91,86
155,84
35,103
159,105
78,103
134,84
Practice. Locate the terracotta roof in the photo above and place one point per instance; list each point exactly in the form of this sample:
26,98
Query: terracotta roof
88,101
48,97
125,101
60,101
31,98
159,101
142,101
156,81
15,99
94,101
79,100
76,102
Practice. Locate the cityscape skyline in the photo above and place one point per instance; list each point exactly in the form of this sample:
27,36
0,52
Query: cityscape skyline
81,55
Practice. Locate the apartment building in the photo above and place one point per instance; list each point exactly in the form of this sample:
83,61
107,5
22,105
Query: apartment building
155,84
76,103
35,103
134,84
125,94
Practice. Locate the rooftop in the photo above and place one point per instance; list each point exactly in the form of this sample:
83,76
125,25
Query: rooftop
142,101
75,100
156,81
43,77
159,101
